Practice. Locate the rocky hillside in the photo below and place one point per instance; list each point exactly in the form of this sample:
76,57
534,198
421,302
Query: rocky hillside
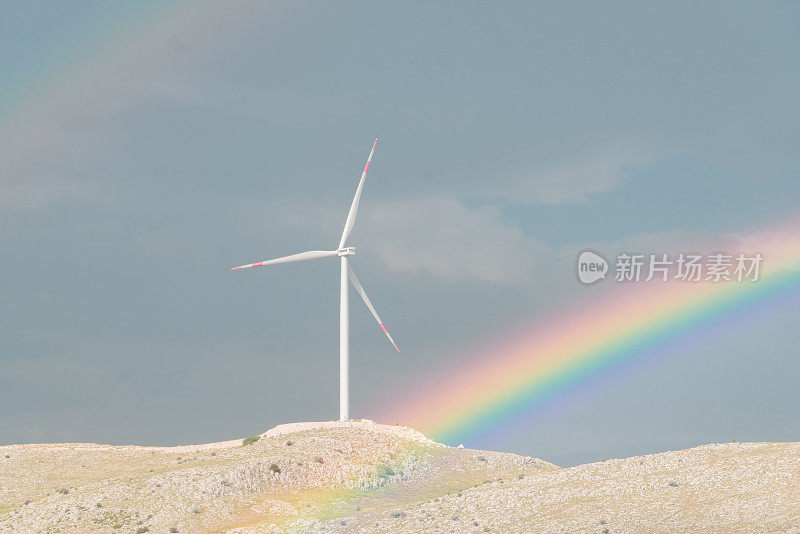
364,477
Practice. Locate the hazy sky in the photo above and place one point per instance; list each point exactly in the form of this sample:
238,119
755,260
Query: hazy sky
146,149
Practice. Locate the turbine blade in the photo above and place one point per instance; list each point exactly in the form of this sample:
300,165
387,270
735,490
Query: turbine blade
351,216
303,256
364,296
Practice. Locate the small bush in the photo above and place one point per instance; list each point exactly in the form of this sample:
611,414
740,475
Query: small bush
173,529
142,530
196,510
117,526
63,491
398,514
319,460
250,440
274,468
289,443
385,471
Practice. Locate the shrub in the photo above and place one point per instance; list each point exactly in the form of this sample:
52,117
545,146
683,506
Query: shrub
250,440
63,491
173,529
289,443
385,471
319,460
142,530
274,468
398,514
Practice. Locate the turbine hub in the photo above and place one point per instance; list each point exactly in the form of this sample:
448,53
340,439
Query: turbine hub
347,251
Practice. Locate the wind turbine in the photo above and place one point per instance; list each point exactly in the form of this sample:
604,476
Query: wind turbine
346,272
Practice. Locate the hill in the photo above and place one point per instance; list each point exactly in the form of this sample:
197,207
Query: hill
364,477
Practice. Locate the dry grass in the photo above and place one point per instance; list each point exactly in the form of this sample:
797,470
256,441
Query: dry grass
389,479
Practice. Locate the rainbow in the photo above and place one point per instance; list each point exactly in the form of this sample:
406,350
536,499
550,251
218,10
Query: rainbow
127,57
504,384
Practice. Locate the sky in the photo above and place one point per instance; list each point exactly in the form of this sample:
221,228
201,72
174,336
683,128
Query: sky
147,147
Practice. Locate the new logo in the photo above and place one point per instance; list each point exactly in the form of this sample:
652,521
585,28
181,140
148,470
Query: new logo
591,267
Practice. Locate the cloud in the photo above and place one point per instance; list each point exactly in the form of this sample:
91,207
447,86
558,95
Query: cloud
576,179
442,237
445,238
435,236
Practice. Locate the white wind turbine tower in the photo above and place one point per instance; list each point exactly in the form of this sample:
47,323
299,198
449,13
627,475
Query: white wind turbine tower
347,272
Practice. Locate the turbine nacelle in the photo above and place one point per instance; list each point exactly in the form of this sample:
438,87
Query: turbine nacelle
347,251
